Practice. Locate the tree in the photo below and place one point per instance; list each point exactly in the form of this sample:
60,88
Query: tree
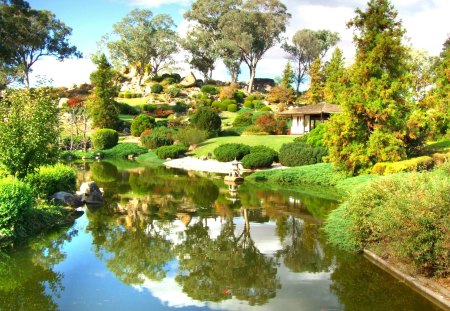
104,110
335,78
207,14
29,130
27,36
288,76
144,39
254,28
316,91
308,45
377,123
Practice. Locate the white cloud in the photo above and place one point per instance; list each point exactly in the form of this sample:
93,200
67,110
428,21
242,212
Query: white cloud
158,3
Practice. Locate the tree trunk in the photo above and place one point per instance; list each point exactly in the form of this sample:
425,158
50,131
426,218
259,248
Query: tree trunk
27,78
252,78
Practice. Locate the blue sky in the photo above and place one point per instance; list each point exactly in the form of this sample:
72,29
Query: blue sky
426,21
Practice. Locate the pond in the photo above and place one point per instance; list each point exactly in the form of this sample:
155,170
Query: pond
169,239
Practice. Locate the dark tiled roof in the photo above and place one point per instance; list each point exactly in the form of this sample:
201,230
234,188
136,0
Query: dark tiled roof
312,109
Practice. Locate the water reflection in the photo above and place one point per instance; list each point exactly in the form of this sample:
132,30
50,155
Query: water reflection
190,242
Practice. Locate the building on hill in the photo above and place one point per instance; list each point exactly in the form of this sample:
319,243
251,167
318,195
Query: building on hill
305,118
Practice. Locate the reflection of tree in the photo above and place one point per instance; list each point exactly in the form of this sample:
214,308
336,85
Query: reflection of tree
356,282
27,279
132,253
104,172
302,251
215,270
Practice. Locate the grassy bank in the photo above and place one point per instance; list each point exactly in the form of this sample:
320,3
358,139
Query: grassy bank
273,141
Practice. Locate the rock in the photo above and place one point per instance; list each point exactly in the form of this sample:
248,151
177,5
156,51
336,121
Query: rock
90,193
192,147
66,199
189,80
263,84
131,157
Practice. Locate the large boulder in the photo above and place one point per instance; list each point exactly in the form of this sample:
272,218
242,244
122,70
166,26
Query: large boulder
189,80
66,199
263,84
90,193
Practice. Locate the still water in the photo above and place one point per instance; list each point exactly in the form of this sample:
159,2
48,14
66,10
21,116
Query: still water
168,239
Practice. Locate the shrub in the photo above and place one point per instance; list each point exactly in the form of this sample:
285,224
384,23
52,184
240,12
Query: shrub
258,104
128,109
121,151
314,138
412,165
281,94
156,88
220,105
407,211
206,119
257,160
15,200
104,139
173,91
232,108
48,180
298,154
239,96
265,108
162,112
229,152
191,136
265,149
248,104
232,131
180,107
268,123
210,89
149,108
158,137
243,119
141,123
172,152
228,91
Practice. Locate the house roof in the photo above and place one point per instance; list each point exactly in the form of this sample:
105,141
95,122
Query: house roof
312,109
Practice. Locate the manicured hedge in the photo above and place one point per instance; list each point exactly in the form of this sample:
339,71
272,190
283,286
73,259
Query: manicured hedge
298,154
158,137
229,152
172,152
210,89
257,160
105,139
48,180
156,88
265,149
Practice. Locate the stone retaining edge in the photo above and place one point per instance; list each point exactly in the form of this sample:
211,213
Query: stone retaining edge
412,282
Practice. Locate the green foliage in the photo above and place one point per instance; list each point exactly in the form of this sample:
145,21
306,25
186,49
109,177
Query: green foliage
268,123
288,76
239,96
29,130
232,108
229,152
423,163
104,139
123,150
47,180
172,152
206,119
248,104
173,91
266,150
316,92
156,88
141,123
191,136
210,90
336,78
281,94
409,212
243,119
128,109
314,138
265,109
180,107
158,137
103,109
298,154
15,200
257,160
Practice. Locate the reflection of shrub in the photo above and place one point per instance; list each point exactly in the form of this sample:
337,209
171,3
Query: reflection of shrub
105,139
191,136
15,199
141,123
173,152
229,152
298,154
210,89
104,172
257,160
158,137
156,88
48,180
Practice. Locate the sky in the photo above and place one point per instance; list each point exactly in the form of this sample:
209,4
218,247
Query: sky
426,22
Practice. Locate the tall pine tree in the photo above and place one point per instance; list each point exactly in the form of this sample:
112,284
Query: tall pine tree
335,76
374,124
315,93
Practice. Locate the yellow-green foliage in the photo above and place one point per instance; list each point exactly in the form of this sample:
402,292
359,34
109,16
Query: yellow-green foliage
411,165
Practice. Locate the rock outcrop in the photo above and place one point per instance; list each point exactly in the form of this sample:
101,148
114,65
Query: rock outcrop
189,80
90,193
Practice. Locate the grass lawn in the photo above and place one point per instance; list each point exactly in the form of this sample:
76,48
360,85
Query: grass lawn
441,146
272,141
133,101
126,117
227,118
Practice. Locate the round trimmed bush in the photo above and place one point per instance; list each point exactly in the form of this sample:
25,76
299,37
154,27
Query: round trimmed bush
158,137
105,139
206,119
298,154
48,180
210,89
265,108
265,149
229,152
15,199
141,123
243,119
232,108
156,88
248,104
173,152
257,160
